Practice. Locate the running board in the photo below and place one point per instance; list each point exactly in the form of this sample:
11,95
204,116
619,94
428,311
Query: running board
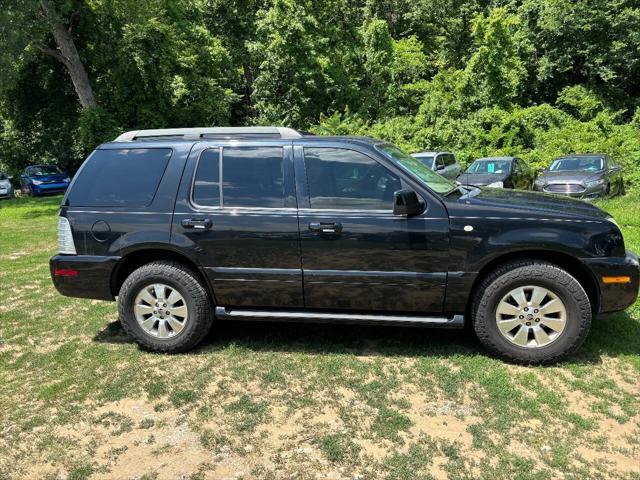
224,313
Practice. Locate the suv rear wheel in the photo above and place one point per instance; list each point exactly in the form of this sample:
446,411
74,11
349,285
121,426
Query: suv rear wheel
531,312
164,307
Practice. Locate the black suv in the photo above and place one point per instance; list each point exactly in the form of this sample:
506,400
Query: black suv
187,227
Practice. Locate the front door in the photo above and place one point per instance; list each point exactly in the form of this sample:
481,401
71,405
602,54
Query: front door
357,255
237,217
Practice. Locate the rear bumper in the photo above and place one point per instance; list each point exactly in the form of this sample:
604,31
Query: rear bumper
616,296
83,276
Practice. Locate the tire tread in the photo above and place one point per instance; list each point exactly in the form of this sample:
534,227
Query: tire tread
531,269
181,274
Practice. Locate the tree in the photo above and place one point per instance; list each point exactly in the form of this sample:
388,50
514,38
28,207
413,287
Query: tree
29,25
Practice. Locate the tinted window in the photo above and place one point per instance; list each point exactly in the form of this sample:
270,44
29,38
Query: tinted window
120,178
345,179
206,187
441,161
252,177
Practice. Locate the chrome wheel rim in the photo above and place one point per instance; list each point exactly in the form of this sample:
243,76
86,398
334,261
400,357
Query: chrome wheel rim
161,311
531,316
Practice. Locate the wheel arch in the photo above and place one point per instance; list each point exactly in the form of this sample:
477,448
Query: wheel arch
135,259
567,262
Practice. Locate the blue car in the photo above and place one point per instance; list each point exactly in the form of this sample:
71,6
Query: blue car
43,179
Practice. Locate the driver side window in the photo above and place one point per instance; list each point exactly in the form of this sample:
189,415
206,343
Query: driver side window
341,179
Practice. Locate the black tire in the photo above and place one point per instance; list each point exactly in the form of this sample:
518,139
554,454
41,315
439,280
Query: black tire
181,278
538,273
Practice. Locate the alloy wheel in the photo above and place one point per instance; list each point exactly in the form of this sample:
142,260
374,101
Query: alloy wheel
531,316
161,311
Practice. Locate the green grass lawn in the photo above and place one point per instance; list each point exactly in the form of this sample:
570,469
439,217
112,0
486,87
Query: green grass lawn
79,400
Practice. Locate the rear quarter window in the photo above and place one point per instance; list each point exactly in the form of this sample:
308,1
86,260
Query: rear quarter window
120,178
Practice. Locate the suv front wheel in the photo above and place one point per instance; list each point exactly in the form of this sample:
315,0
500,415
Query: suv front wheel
164,307
531,312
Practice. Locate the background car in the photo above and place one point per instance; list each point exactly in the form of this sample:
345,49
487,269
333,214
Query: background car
500,172
444,163
588,175
6,189
43,179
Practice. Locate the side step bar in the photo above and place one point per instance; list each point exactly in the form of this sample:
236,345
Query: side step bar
224,313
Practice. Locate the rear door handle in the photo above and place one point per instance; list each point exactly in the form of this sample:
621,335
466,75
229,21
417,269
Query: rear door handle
197,223
325,227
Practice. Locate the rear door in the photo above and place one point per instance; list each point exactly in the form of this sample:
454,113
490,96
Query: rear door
357,255
236,217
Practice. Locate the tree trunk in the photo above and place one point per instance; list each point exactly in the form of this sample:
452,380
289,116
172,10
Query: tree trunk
67,53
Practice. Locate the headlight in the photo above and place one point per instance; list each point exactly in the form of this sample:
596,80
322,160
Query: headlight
595,183
36,182
496,185
541,182
67,179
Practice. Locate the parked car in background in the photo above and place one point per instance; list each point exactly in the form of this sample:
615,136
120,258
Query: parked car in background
588,175
43,179
499,172
6,189
187,227
444,163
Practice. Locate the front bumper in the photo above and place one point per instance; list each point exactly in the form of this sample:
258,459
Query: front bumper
616,296
84,276
49,188
6,192
587,193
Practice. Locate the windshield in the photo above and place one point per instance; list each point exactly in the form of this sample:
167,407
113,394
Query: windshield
45,170
434,181
490,166
592,164
424,159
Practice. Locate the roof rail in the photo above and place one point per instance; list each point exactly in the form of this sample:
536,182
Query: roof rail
209,132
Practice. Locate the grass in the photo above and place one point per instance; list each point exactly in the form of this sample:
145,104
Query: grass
79,400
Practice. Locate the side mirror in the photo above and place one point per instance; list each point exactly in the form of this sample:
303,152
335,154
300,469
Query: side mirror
10,177
616,168
406,202
439,167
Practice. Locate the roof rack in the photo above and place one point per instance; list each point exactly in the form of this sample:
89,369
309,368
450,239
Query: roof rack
209,132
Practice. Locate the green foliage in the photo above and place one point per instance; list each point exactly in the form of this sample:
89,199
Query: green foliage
95,126
536,78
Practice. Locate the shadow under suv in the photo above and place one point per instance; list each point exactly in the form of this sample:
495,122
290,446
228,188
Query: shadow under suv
188,227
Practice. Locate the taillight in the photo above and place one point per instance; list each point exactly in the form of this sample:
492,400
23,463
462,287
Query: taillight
65,272
65,237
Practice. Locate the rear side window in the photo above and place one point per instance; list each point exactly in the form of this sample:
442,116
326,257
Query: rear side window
120,178
251,177
206,187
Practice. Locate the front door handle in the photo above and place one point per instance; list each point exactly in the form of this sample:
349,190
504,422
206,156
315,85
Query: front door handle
197,223
325,227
